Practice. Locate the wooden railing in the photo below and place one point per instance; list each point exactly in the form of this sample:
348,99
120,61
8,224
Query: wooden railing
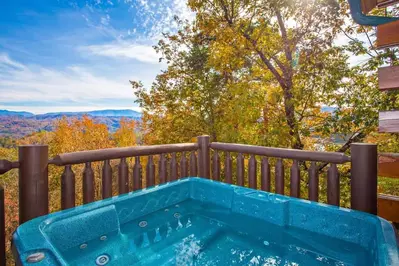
265,176
33,165
105,155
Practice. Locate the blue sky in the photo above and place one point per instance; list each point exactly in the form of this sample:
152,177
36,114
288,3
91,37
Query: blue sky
80,55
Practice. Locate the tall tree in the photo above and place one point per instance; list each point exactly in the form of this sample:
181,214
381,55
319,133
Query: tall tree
270,33
189,98
262,73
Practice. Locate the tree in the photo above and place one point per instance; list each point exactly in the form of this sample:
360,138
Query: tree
125,135
260,73
271,35
185,98
79,134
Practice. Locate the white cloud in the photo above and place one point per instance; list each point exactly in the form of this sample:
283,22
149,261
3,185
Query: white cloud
100,82
105,20
156,17
142,53
30,83
6,62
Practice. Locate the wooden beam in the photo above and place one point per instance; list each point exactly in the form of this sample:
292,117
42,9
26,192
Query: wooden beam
388,121
368,5
388,207
388,166
388,78
385,3
388,35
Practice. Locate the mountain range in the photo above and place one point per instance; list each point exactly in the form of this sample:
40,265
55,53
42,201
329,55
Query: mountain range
105,113
19,124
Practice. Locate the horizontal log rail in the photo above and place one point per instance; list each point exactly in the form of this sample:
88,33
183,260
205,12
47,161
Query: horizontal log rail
333,196
301,155
363,171
169,169
244,165
6,166
117,153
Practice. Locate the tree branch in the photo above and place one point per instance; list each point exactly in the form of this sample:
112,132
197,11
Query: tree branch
283,30
368,38
358,136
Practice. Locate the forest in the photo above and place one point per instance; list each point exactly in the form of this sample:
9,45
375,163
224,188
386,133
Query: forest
270,73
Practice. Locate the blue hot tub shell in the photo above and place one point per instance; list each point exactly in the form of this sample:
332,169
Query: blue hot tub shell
57,232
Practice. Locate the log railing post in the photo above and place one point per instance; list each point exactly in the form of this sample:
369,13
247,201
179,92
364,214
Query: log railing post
204,157
33,181
364,177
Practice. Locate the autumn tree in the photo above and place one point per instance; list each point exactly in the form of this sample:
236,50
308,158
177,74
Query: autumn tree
70,134
187,97
358,101
79,134
125,135
279,37
266,73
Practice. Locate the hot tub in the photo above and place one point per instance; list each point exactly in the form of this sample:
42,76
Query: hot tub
196,221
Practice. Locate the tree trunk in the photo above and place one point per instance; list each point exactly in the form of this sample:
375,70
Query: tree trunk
292,122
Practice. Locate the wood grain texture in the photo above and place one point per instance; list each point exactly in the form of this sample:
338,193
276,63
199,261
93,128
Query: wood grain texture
333,185
123,177
107,180
228,168
279,176
388,121
388,166
265,174
385,3
388,78
388,207
240,170
388,35
252,172
368,5
193,164
88,184
216,166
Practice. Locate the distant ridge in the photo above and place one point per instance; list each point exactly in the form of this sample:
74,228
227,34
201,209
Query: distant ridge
103,113
20,124
15,113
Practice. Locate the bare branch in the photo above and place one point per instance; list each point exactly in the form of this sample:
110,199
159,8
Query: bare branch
358,136
284,36
368,38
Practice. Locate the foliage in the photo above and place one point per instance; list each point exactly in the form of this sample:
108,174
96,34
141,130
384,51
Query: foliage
20,126
7,142
256,72
261,73
270,73
69,135
125,135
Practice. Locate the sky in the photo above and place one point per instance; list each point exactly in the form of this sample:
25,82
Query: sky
58,55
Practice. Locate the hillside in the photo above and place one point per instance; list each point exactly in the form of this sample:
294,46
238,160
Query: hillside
96,113
20,124
13,113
